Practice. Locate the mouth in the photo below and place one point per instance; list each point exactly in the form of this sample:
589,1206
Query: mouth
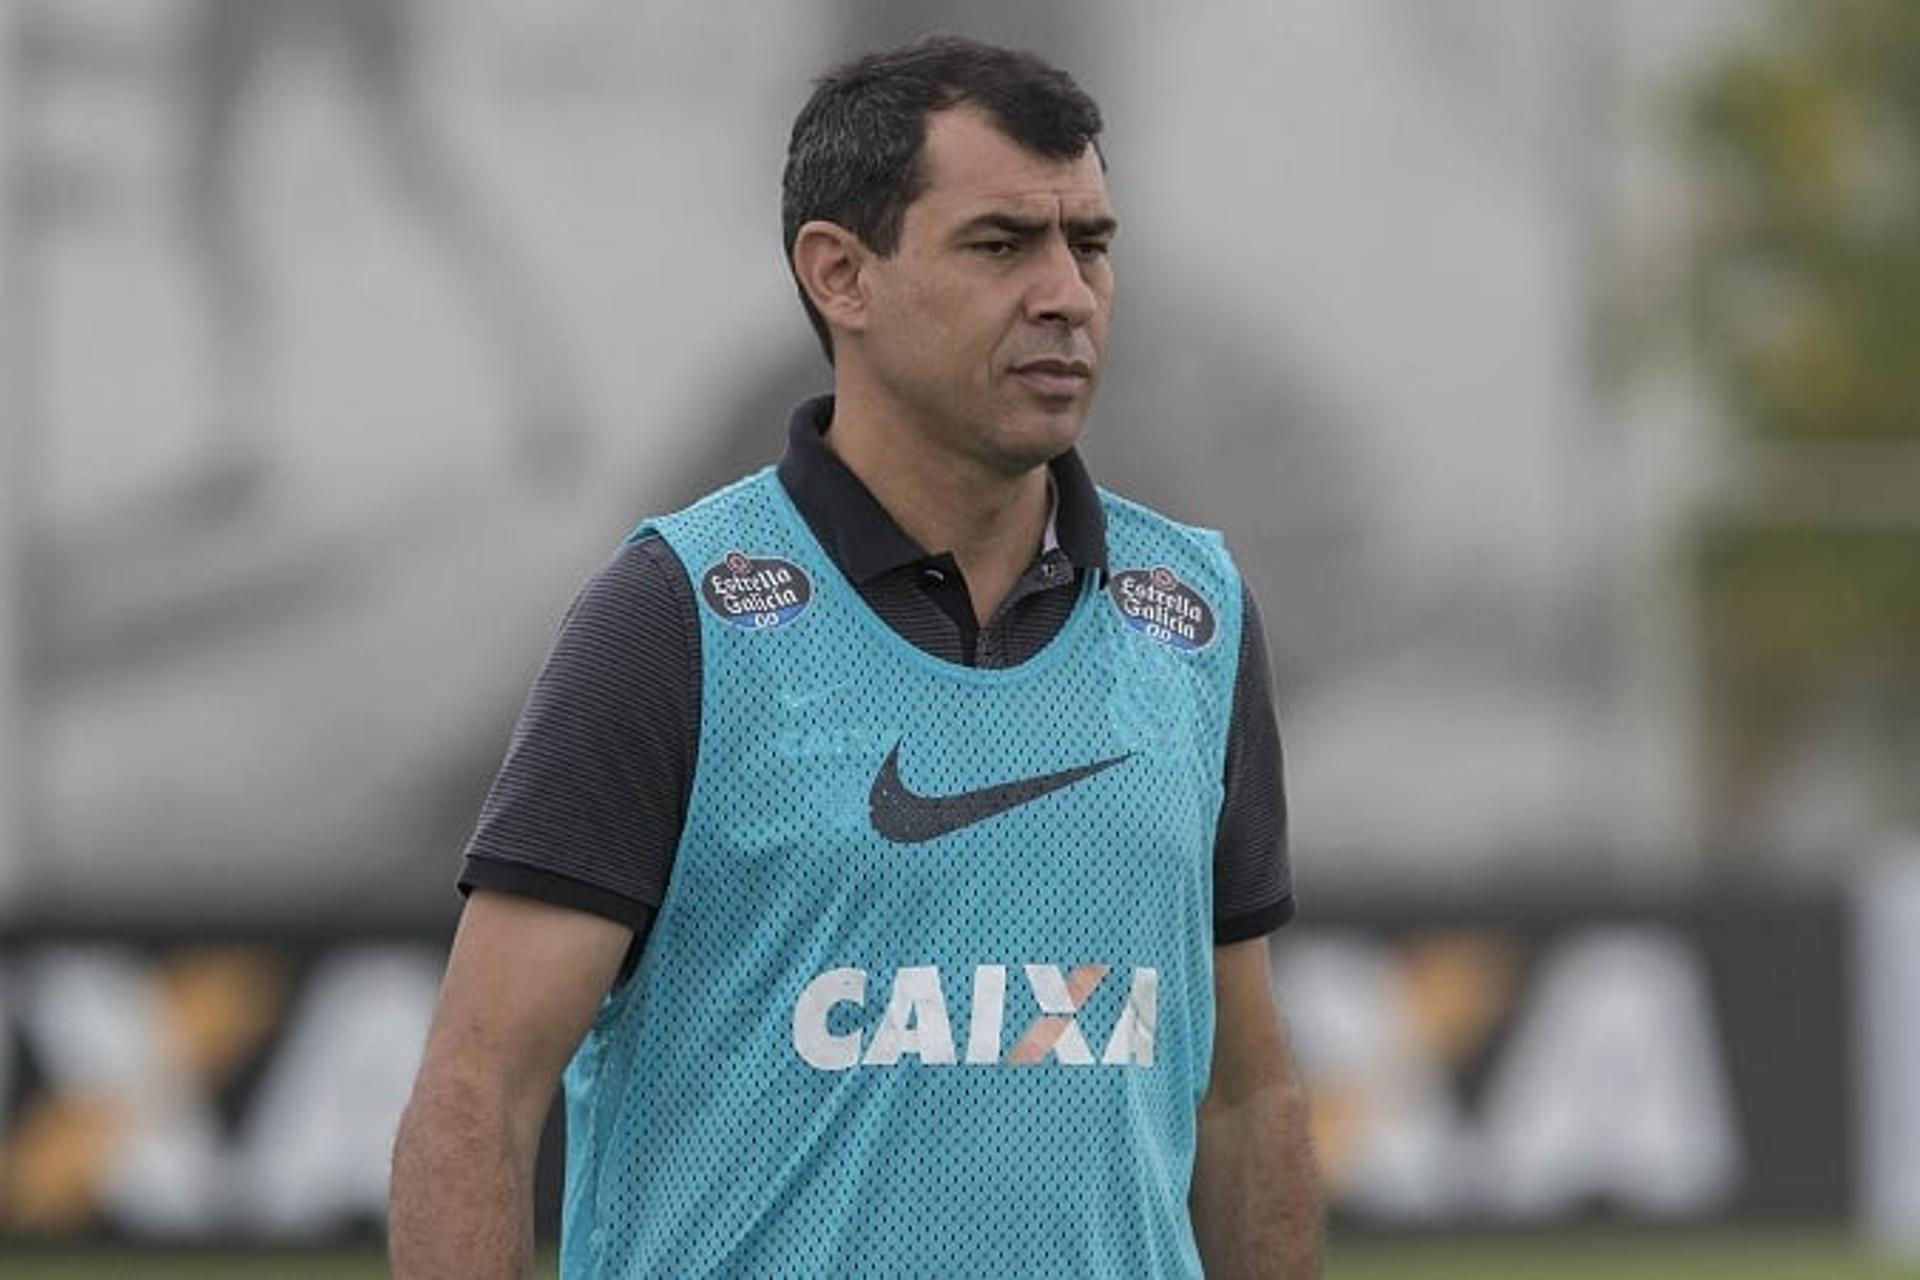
1055,377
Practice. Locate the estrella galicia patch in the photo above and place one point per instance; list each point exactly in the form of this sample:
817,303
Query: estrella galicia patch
1158,605
756,593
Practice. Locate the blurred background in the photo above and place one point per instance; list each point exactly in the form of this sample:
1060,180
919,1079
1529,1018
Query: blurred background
1553,367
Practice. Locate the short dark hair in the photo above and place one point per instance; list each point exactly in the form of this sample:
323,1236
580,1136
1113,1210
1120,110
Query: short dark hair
854,157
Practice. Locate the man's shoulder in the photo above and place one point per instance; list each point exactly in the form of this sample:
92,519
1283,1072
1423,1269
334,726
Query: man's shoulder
1173,580
642,584
639,564
744,488
1129,516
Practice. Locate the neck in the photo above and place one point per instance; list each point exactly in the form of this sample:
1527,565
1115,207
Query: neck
991,521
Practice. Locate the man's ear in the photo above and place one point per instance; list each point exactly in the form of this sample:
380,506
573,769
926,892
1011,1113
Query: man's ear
827,261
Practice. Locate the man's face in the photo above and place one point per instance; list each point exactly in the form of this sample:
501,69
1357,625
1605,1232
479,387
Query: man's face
988,325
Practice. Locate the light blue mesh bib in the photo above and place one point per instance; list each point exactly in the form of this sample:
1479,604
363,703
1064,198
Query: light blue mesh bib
930,992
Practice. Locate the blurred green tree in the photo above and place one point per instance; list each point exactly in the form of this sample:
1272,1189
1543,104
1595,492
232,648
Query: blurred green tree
1805,297
1808,251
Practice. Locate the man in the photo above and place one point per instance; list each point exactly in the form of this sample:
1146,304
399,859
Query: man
891,840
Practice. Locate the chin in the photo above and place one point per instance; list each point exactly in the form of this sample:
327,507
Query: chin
1033,442
1062,424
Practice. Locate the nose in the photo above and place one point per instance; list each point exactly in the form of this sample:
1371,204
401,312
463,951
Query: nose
1060,292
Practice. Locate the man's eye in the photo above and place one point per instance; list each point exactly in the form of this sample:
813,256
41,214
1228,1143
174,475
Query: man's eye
1093,248
995,248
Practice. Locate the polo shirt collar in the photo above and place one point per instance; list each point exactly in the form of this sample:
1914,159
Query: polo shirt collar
866,542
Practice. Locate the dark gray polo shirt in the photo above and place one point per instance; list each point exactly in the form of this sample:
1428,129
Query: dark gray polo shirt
588,807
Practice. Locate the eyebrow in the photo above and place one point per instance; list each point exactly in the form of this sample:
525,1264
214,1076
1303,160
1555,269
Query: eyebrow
1105,225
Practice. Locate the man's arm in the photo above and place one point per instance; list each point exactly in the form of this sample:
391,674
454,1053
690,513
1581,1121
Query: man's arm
523,983
1256,1198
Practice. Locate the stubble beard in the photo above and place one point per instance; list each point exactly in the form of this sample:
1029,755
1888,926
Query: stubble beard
1016,438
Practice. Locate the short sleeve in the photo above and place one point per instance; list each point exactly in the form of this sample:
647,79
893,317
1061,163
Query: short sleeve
588,806
1252,877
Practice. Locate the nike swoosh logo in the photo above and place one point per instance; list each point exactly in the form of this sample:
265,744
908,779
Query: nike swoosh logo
906,817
